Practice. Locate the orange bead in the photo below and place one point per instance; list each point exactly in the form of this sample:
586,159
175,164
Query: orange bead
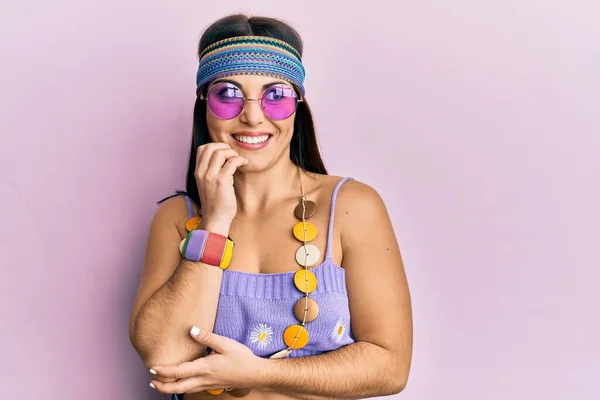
289,337
305,281
215,391
302,228
192,223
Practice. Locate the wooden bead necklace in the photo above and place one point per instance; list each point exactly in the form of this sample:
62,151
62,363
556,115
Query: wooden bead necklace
306,309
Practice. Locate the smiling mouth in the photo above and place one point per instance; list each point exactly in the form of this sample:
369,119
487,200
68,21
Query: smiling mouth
252,139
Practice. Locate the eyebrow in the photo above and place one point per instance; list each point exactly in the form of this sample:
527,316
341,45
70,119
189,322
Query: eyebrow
265,86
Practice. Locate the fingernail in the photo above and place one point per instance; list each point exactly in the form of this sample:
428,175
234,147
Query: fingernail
195,331
152,386
153,372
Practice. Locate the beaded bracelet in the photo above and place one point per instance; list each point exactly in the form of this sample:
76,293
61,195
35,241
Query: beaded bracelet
207,247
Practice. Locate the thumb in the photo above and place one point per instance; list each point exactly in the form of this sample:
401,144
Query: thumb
215,342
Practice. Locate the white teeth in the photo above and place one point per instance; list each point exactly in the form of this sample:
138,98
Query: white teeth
251,139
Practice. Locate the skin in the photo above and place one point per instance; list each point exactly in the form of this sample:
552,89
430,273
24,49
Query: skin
255,207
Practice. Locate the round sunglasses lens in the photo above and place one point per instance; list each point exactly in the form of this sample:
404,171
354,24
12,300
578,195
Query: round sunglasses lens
225,100
279,102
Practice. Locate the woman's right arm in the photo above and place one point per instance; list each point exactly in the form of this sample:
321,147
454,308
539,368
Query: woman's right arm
174,293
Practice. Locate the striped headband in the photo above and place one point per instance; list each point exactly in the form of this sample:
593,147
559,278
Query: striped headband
250,55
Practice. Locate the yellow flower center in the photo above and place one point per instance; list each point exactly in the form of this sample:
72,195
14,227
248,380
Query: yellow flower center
262,336
340,329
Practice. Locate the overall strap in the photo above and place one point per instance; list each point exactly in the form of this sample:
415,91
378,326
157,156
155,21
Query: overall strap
331,214
189,206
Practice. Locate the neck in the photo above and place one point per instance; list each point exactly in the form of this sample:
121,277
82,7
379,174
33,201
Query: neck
259,190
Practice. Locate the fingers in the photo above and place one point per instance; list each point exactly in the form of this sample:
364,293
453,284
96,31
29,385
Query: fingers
217,161
232,165
161,378
211,147
204,154
188,385
213,157
207,338
181,371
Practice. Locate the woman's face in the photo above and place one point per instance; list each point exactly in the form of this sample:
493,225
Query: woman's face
255,136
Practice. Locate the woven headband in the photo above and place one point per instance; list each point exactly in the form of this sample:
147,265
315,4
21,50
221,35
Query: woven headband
250,55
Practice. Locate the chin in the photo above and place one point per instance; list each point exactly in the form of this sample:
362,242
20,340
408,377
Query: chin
254,165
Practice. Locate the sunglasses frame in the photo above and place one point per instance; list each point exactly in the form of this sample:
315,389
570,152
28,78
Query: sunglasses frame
299,99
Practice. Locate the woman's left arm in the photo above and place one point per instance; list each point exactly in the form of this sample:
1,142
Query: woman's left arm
378,363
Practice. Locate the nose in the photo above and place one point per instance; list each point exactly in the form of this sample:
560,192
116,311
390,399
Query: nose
252,114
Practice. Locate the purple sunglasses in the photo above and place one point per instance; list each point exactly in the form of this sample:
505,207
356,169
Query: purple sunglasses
226,101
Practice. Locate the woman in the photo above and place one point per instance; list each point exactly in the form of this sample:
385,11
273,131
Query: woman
312,301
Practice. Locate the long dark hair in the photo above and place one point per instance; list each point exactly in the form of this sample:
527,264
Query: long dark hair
304,150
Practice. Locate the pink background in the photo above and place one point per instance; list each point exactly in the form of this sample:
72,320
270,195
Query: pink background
478,123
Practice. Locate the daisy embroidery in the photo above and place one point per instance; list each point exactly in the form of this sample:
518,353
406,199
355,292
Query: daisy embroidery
262,335
338,330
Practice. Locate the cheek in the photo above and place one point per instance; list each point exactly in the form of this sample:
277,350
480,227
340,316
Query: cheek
211,121
286,127
215,126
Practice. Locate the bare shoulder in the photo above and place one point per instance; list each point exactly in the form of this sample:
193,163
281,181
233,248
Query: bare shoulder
173,212
362,216
359,202
172,208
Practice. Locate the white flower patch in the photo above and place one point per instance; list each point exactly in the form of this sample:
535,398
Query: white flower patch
339,330
261,335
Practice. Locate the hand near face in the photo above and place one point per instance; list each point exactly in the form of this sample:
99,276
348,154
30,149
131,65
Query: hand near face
215,165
